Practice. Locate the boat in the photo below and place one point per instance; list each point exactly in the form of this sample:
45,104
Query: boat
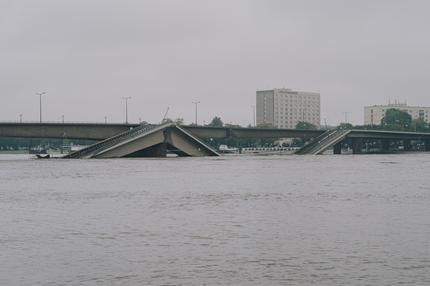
224,149
39,156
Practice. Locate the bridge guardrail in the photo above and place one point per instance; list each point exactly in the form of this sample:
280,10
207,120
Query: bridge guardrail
322,142
102,144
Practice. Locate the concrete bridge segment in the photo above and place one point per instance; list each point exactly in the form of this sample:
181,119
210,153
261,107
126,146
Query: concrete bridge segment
147,141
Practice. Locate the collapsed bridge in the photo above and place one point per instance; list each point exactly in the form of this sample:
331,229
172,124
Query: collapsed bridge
147,141
150,140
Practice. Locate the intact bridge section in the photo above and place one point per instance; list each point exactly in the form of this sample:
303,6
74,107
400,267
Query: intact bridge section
359,138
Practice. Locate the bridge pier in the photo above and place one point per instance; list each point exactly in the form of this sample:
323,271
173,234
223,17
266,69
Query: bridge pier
385,145
357,145
337,148
427,144
407,145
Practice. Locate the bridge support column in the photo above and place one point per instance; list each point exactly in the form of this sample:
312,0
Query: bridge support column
427,144
357,145
385,145
337,148
407,145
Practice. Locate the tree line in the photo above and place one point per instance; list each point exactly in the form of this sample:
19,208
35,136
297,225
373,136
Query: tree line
394,120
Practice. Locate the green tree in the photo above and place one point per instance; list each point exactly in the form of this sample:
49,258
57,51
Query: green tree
265,125
230,125
178,121
216,122
345,126
303,125
419,125
396,119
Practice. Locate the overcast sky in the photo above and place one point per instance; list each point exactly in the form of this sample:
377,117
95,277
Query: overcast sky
88,54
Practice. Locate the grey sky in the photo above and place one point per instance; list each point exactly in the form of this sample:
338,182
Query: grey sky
87,54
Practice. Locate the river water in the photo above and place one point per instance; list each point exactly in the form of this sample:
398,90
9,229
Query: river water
275,220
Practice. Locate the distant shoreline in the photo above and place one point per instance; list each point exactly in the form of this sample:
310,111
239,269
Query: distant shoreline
14,152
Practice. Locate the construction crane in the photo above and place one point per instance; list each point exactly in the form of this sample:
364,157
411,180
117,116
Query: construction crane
165,114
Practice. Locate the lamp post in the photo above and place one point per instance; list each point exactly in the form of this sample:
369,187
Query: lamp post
62,118
196,103
253,115
20,118
126,108
40,104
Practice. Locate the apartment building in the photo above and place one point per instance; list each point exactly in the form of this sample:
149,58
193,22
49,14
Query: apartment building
284,108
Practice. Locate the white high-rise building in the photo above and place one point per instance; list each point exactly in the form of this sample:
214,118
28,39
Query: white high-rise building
284,108
374,114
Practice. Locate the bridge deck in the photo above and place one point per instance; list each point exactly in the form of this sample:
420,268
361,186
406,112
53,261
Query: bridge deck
101,131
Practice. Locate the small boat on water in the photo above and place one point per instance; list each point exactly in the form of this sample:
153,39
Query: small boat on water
40,156
224,149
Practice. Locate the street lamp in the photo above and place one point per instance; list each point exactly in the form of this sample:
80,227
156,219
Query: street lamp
126,108
253,115
196,103
40,104
20,118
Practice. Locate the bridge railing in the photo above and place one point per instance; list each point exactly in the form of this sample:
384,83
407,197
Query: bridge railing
321,141
103,144
331,139
65,122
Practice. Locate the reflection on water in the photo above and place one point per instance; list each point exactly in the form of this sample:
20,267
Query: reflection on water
278,220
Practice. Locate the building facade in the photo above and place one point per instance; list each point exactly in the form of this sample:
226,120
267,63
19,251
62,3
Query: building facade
284,108
374,114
